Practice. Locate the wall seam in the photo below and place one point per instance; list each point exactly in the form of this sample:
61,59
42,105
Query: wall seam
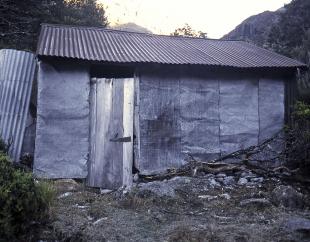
219,115
258,109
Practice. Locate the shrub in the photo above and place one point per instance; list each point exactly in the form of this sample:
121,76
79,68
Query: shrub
298,145
23,201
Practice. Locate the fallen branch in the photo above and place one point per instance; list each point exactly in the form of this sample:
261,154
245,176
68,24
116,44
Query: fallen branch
244,160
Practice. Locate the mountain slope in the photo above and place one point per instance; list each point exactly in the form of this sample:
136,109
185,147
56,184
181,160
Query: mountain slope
255,29
132,27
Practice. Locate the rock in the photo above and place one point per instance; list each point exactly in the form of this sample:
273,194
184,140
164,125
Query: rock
225,195
220,179
181,179
287,196
259,202
80,206
229,181
297,224
66,194
213,182
248,175
67,185
105,191
135,177
209,176
220,175
165,187
208,197
242,181
257,179
252,184
159,188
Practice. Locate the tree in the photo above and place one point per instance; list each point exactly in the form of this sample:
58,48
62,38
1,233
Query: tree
20,20
188,31
291,37
78,12
292,30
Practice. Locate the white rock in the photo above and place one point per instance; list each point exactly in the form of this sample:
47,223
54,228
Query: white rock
214,183
221,175
225,195
136,177
257,179
229,180
242,181
208,197
105,191
66,194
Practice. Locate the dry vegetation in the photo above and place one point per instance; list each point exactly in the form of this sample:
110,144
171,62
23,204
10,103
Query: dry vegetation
196,212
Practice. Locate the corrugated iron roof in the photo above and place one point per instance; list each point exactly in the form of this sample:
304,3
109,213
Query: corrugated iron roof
99,44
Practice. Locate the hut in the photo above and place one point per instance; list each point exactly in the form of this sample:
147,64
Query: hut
110,102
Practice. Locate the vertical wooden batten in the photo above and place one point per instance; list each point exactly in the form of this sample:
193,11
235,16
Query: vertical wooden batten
128,117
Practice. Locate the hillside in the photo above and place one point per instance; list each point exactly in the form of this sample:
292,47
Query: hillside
286,31
255,29
132,27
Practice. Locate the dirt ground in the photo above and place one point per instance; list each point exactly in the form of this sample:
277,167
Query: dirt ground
183,209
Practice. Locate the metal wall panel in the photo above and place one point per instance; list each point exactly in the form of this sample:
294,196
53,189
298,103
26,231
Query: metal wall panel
17,70
271,107
159,121
62,135
271,119
238,109
199,116
202,117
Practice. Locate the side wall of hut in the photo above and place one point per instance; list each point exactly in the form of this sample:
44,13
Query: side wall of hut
62,135
189,113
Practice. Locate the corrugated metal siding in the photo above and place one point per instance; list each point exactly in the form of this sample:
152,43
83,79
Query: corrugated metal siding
17,70
98,44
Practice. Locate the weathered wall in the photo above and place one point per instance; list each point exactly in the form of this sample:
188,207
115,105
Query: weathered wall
203,116
271,107
238,110
199,117
62,135
17,69
159,122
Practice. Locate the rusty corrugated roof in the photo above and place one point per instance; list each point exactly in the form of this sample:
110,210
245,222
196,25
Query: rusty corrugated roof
99,44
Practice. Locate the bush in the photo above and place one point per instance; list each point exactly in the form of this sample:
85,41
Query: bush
298,145
23,201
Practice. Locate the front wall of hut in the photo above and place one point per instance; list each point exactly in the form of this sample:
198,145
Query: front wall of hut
177,114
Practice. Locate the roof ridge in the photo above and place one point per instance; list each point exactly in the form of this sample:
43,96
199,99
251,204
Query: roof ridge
133,32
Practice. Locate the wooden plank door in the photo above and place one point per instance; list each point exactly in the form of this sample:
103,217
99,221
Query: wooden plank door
111,132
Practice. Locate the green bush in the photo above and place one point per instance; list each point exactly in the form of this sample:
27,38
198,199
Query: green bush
298,145
23,201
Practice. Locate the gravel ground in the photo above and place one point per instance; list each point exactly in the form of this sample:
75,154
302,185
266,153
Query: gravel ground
204,208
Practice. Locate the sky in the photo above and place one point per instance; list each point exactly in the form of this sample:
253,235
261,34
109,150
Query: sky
215,17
